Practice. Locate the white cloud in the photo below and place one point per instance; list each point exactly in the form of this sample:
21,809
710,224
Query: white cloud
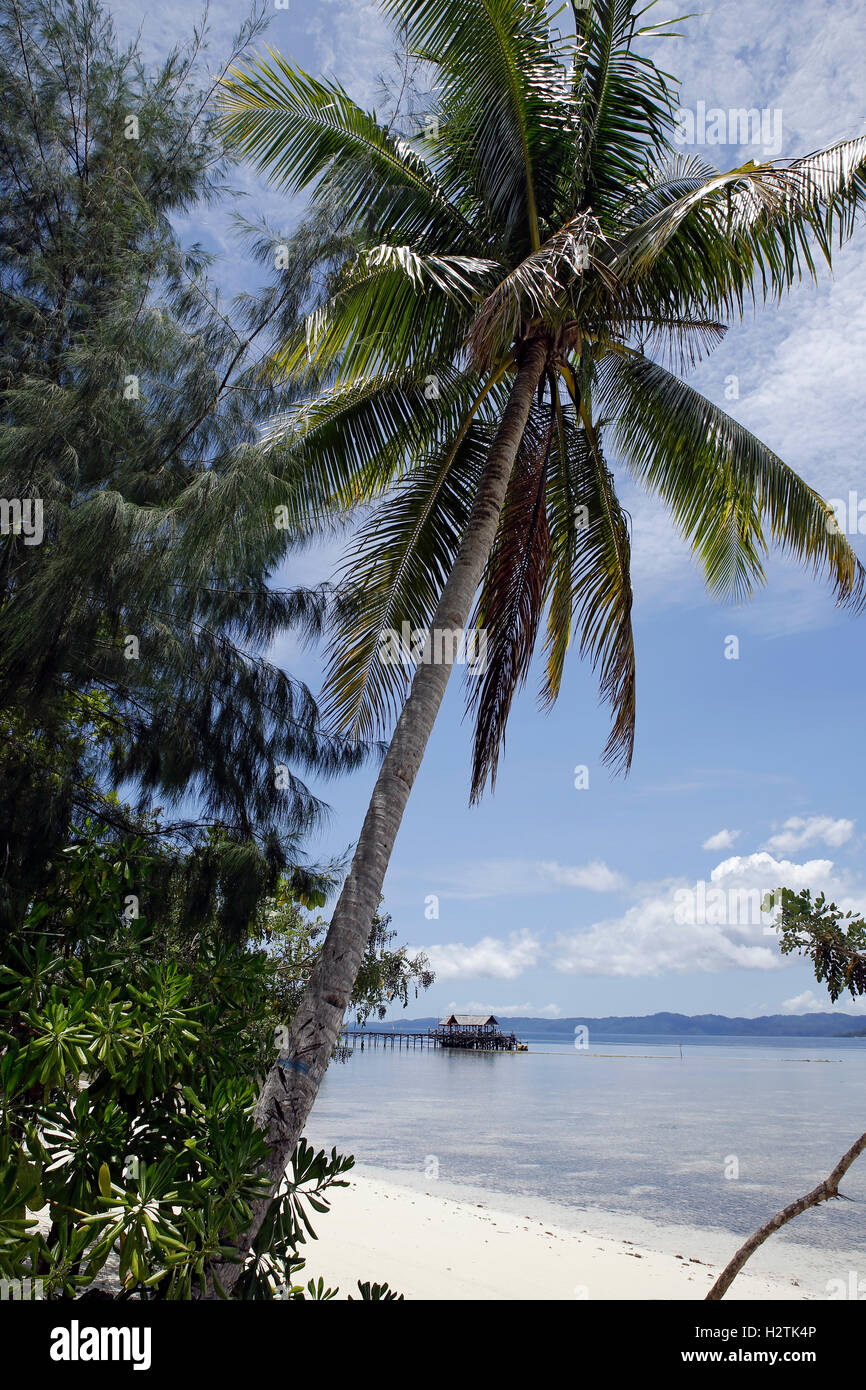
723,839
493,957
673,926
798,832
596,877
755,870
497,878
724,930
807,1003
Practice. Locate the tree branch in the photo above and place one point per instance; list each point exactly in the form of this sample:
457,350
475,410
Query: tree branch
822,1193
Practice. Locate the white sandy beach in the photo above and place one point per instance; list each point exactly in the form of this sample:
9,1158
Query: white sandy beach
430,1246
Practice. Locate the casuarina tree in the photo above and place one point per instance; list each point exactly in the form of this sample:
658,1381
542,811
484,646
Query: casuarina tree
136,602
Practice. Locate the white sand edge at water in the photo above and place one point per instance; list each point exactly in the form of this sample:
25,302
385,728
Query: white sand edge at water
429,1246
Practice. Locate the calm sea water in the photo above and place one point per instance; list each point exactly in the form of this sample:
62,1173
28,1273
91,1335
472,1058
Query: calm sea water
626,1126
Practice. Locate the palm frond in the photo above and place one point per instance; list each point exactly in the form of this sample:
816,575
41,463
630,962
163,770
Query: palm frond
625,102
668,177
590,576
512,598
393,574
684,342
720,482
340,450
394,310
748,233
309,133
563,525
501,92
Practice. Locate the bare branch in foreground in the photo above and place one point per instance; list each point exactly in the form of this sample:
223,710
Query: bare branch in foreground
822,1193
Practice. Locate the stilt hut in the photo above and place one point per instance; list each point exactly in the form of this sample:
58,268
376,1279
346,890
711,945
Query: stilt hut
480,1032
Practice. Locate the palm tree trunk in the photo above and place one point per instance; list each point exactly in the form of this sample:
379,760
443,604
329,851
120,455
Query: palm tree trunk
292,1085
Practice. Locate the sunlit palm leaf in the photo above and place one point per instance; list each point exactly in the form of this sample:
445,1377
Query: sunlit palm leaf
392,309
625,106
719,480
748,233
393,574
305,131
502,92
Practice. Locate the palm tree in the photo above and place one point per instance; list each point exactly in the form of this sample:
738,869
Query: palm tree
521,272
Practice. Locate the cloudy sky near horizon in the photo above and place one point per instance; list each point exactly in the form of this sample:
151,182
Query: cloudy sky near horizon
558,901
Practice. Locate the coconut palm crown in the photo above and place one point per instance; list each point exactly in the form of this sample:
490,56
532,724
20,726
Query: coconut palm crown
541,199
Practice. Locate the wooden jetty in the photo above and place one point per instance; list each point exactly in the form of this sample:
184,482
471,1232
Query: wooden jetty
470,1032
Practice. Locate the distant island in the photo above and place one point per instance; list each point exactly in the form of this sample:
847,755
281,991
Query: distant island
823,1025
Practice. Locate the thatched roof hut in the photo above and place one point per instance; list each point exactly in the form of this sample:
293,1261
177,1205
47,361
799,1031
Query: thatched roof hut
474,1021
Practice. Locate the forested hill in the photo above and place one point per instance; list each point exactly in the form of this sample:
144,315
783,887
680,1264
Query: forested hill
818,1025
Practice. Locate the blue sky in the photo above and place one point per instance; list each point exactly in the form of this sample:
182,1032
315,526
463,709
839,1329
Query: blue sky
558,901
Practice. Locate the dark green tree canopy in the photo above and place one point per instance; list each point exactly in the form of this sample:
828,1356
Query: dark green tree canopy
130,407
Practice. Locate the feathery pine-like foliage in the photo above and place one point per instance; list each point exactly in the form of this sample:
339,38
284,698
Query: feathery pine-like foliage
538,197
132,634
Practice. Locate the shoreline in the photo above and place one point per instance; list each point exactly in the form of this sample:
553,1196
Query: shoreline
432,1240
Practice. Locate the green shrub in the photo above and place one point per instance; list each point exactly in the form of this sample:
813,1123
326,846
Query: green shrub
128,1077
